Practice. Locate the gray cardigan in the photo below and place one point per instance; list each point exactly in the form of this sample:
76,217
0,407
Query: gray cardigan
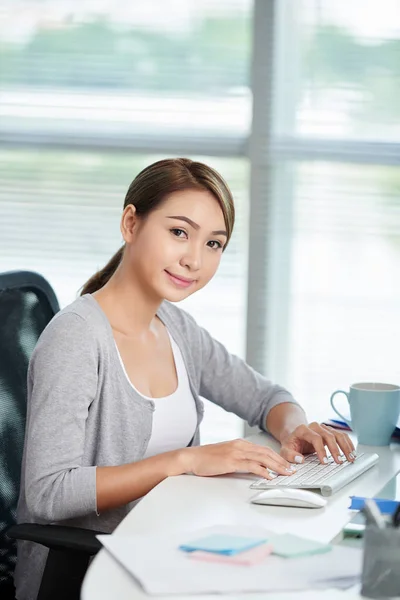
83,412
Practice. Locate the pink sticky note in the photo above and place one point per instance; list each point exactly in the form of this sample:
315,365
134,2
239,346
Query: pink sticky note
247,558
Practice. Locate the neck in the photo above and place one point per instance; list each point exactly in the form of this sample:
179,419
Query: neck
130,310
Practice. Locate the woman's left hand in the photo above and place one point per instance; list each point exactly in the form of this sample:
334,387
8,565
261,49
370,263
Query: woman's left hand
306,439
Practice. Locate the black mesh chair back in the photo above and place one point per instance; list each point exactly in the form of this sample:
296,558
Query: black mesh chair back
27,304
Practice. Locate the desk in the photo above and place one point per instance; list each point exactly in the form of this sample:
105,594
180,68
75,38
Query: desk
189,503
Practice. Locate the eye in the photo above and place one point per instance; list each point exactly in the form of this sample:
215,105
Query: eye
214,244
180,233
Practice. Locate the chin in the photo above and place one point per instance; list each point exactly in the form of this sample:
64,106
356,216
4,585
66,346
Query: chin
172,294
178,296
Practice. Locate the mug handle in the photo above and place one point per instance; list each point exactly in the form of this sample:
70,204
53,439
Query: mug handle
336,410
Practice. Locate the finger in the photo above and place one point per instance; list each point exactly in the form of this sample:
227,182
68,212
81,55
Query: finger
346,445
317,443
270,463
329,439
343,442
346,440
269,454
291,455
342,439
245,450
255,468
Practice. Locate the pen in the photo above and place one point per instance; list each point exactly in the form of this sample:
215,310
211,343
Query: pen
372,514
396,517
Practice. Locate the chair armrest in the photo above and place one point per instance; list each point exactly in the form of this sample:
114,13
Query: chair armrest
58,537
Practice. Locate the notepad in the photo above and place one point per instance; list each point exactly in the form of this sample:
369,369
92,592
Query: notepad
292,546
228,545
254,556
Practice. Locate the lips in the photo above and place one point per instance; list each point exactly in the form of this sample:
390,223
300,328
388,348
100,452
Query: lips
180,281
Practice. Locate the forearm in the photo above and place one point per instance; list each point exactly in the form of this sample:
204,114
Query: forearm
283,419
117,486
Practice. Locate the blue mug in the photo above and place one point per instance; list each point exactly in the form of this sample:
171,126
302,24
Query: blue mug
374,411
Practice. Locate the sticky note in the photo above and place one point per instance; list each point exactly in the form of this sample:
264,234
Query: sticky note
291,546
222,544
246,558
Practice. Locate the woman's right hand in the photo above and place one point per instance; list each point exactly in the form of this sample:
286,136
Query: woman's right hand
234,456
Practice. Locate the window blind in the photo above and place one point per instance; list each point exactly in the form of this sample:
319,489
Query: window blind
91,93
173,76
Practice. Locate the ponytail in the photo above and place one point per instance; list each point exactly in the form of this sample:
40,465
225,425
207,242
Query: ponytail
101,277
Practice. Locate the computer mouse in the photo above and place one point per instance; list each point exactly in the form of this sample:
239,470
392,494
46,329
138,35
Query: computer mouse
289,497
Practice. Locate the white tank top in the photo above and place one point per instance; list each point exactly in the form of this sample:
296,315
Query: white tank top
175,416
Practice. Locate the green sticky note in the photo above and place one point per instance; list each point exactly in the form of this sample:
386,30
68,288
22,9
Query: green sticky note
292,546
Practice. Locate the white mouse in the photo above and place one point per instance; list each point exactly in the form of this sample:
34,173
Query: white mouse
289,497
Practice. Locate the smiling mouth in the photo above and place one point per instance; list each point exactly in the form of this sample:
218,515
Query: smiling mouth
180,281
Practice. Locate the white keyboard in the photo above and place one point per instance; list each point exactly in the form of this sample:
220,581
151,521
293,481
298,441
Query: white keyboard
329,478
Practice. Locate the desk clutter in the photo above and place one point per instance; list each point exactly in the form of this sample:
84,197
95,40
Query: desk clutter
228,546
381,565
387,500
229,559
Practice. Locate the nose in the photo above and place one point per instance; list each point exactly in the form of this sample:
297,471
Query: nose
192,258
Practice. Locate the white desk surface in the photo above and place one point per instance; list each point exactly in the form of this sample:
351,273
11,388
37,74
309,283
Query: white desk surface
188,503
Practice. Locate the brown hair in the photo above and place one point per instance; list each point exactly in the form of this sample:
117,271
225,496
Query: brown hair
151,186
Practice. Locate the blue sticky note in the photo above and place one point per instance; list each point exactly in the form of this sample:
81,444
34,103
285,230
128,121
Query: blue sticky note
222,544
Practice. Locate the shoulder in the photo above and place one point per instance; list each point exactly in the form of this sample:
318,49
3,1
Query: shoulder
80,326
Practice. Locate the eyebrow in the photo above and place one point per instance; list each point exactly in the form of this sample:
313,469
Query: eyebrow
196,226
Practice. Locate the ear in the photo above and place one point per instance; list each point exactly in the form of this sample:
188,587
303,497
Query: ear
129,223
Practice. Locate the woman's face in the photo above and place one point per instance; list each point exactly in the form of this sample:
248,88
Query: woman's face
177,248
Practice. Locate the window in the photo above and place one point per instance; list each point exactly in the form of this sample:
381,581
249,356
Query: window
93,92
166,76
337,73
333,154
345,290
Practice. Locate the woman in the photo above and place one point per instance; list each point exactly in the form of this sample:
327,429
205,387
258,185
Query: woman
115,379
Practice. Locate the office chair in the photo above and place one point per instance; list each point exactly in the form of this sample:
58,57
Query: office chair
27,304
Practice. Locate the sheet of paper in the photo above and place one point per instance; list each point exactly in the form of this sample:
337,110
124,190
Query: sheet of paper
161,568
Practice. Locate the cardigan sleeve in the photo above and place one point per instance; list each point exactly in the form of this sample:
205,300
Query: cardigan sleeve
62,382
228,381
